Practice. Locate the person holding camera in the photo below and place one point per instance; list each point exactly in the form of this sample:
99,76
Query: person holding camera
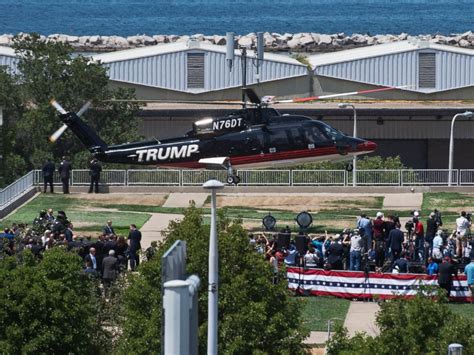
463,225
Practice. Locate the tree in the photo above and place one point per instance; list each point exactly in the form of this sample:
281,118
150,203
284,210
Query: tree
365,163
48,70
255,316
421,325
49,306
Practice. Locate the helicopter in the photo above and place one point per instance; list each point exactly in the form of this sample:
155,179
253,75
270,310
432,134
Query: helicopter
255,136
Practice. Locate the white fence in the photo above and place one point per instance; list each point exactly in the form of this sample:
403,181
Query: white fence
16,189
163,177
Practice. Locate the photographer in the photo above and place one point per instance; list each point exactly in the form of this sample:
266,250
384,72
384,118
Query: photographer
463,225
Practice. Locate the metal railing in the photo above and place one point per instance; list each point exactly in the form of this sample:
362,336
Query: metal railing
163,177
16,189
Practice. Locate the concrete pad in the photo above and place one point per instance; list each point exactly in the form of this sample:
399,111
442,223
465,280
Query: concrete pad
316,338
361,318
151,230
183,199
403,201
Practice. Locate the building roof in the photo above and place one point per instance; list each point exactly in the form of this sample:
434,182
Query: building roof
412,44
167,48
7,51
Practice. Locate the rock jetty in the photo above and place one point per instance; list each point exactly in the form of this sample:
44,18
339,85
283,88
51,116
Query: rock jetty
274,42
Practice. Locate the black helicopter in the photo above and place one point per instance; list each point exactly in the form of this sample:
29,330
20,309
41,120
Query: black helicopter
255,136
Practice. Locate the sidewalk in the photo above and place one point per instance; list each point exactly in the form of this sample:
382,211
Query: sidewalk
151,230
361,318
403,201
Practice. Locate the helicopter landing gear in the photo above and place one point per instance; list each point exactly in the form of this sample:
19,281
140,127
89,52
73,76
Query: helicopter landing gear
232,178
349,167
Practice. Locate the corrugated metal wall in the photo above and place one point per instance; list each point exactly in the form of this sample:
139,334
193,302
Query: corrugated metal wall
169,71
8,61
453,70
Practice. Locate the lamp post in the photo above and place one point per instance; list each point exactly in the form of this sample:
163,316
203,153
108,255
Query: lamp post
354,133
212,185
466,114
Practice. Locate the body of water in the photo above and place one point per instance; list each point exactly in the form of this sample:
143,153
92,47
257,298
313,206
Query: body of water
121,17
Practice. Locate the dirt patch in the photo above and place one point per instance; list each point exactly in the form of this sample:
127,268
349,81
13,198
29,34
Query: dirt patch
333,224
126,199
294,203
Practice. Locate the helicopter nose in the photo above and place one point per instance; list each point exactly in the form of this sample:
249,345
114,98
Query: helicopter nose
367,146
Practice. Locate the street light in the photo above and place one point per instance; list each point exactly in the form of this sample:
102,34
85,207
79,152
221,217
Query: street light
354,133
466,114
212,185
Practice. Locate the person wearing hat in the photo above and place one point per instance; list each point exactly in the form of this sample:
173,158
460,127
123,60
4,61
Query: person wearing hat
419,237
355,251
446,271
437,245
462,229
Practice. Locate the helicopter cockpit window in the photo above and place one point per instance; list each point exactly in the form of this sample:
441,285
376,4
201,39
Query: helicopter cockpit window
314,135
333,133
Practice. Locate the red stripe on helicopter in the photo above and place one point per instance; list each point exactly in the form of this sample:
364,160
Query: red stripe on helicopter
268,157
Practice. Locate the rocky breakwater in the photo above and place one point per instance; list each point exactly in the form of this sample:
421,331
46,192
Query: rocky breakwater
274,42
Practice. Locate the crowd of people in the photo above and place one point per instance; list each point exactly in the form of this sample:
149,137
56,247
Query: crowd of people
104,258
378,244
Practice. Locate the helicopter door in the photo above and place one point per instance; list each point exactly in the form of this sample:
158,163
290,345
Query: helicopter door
278,140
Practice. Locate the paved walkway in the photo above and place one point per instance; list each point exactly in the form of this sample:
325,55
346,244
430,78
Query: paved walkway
180,199
151,230
361,318
403,201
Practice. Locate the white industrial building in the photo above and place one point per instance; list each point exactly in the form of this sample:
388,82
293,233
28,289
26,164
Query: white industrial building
8,58
428,71
196,71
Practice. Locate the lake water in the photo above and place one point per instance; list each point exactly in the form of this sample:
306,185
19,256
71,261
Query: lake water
120,17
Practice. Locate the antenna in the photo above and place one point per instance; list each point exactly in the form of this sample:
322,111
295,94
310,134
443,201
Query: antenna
229,56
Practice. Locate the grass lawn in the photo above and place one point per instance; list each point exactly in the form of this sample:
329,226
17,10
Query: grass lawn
86,216
464,310
318,310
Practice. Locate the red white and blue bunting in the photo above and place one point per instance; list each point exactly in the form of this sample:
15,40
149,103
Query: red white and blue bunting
355,284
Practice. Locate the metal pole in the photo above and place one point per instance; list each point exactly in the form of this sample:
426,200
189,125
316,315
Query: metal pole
451,144
213,185
354,158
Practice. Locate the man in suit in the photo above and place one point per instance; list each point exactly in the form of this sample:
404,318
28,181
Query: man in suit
108,229
109,270
395,242
135,236
48,172
64,169
94,172
91,258
446,272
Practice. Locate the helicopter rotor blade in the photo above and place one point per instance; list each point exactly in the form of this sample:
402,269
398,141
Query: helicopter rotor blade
84,108
331,96
55,136
230,103
58,107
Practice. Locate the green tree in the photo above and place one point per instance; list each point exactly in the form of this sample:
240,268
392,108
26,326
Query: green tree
421,325
365,163
48,70
255,316
49,307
